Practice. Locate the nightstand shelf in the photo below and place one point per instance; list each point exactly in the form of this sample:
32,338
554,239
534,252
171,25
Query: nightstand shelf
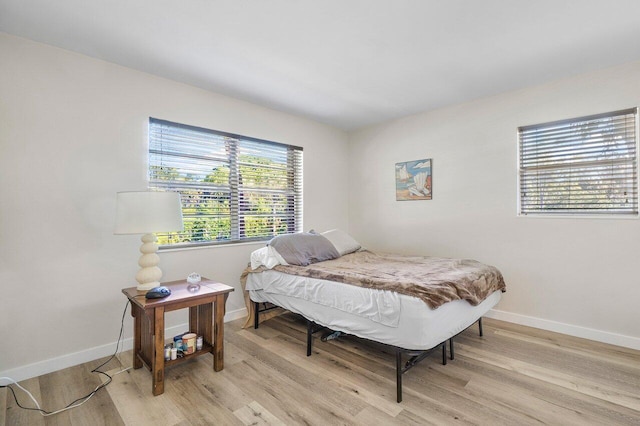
206,349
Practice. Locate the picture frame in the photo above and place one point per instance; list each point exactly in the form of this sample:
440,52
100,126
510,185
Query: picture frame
414,180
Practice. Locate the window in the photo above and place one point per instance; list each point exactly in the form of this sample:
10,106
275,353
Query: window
234,188
585,165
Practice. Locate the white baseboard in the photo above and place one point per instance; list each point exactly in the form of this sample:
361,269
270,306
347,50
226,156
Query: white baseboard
571,330
69,360
234,315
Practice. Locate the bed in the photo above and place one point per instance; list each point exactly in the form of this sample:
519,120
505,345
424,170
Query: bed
414,304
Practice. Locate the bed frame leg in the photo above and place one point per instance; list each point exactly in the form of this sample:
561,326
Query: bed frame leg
256,313
480,326
309,336
451,349
399,375
444,353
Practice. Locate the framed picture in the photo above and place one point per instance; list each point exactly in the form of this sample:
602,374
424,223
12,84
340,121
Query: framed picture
414,180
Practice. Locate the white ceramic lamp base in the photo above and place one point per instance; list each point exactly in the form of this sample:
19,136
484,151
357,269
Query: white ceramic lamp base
149,275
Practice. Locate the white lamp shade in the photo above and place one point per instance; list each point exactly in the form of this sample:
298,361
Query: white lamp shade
147,211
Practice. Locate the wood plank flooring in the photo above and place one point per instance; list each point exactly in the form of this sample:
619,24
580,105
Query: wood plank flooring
513,375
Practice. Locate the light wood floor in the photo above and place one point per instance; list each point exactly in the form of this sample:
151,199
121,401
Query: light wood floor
513,375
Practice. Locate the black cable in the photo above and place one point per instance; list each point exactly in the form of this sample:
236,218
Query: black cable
95,370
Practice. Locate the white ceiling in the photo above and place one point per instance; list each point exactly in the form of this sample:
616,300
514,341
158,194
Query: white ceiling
348,63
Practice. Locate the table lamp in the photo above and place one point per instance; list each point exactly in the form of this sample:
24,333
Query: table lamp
146,212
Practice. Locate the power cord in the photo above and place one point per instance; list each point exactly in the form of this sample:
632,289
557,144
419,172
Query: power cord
78,402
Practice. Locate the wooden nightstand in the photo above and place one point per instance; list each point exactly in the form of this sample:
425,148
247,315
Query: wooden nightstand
206,319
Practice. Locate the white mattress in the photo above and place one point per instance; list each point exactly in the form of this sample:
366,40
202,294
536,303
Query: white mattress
382,316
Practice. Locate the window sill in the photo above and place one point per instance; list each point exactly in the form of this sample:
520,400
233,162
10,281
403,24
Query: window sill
571,216
166,249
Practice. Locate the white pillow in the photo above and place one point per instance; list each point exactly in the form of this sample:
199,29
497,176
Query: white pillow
267,257
342,241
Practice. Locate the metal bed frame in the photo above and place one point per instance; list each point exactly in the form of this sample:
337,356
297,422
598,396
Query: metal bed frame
415,356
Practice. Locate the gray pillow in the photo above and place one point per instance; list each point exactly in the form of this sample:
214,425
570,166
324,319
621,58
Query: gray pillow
304,248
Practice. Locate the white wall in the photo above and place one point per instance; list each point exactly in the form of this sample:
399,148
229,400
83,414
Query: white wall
578,276
72,134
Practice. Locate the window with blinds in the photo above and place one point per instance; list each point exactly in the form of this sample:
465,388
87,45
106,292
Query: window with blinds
233,188
580,166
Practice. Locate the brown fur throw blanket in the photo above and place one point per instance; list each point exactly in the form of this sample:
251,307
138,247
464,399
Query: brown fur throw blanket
434,280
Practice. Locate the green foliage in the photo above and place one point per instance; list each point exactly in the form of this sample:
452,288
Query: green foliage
206,205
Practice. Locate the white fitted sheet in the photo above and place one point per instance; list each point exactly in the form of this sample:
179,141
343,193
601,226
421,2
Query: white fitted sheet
383,316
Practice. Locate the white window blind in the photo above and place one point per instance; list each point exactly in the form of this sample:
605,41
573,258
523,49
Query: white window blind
234,188
586,165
